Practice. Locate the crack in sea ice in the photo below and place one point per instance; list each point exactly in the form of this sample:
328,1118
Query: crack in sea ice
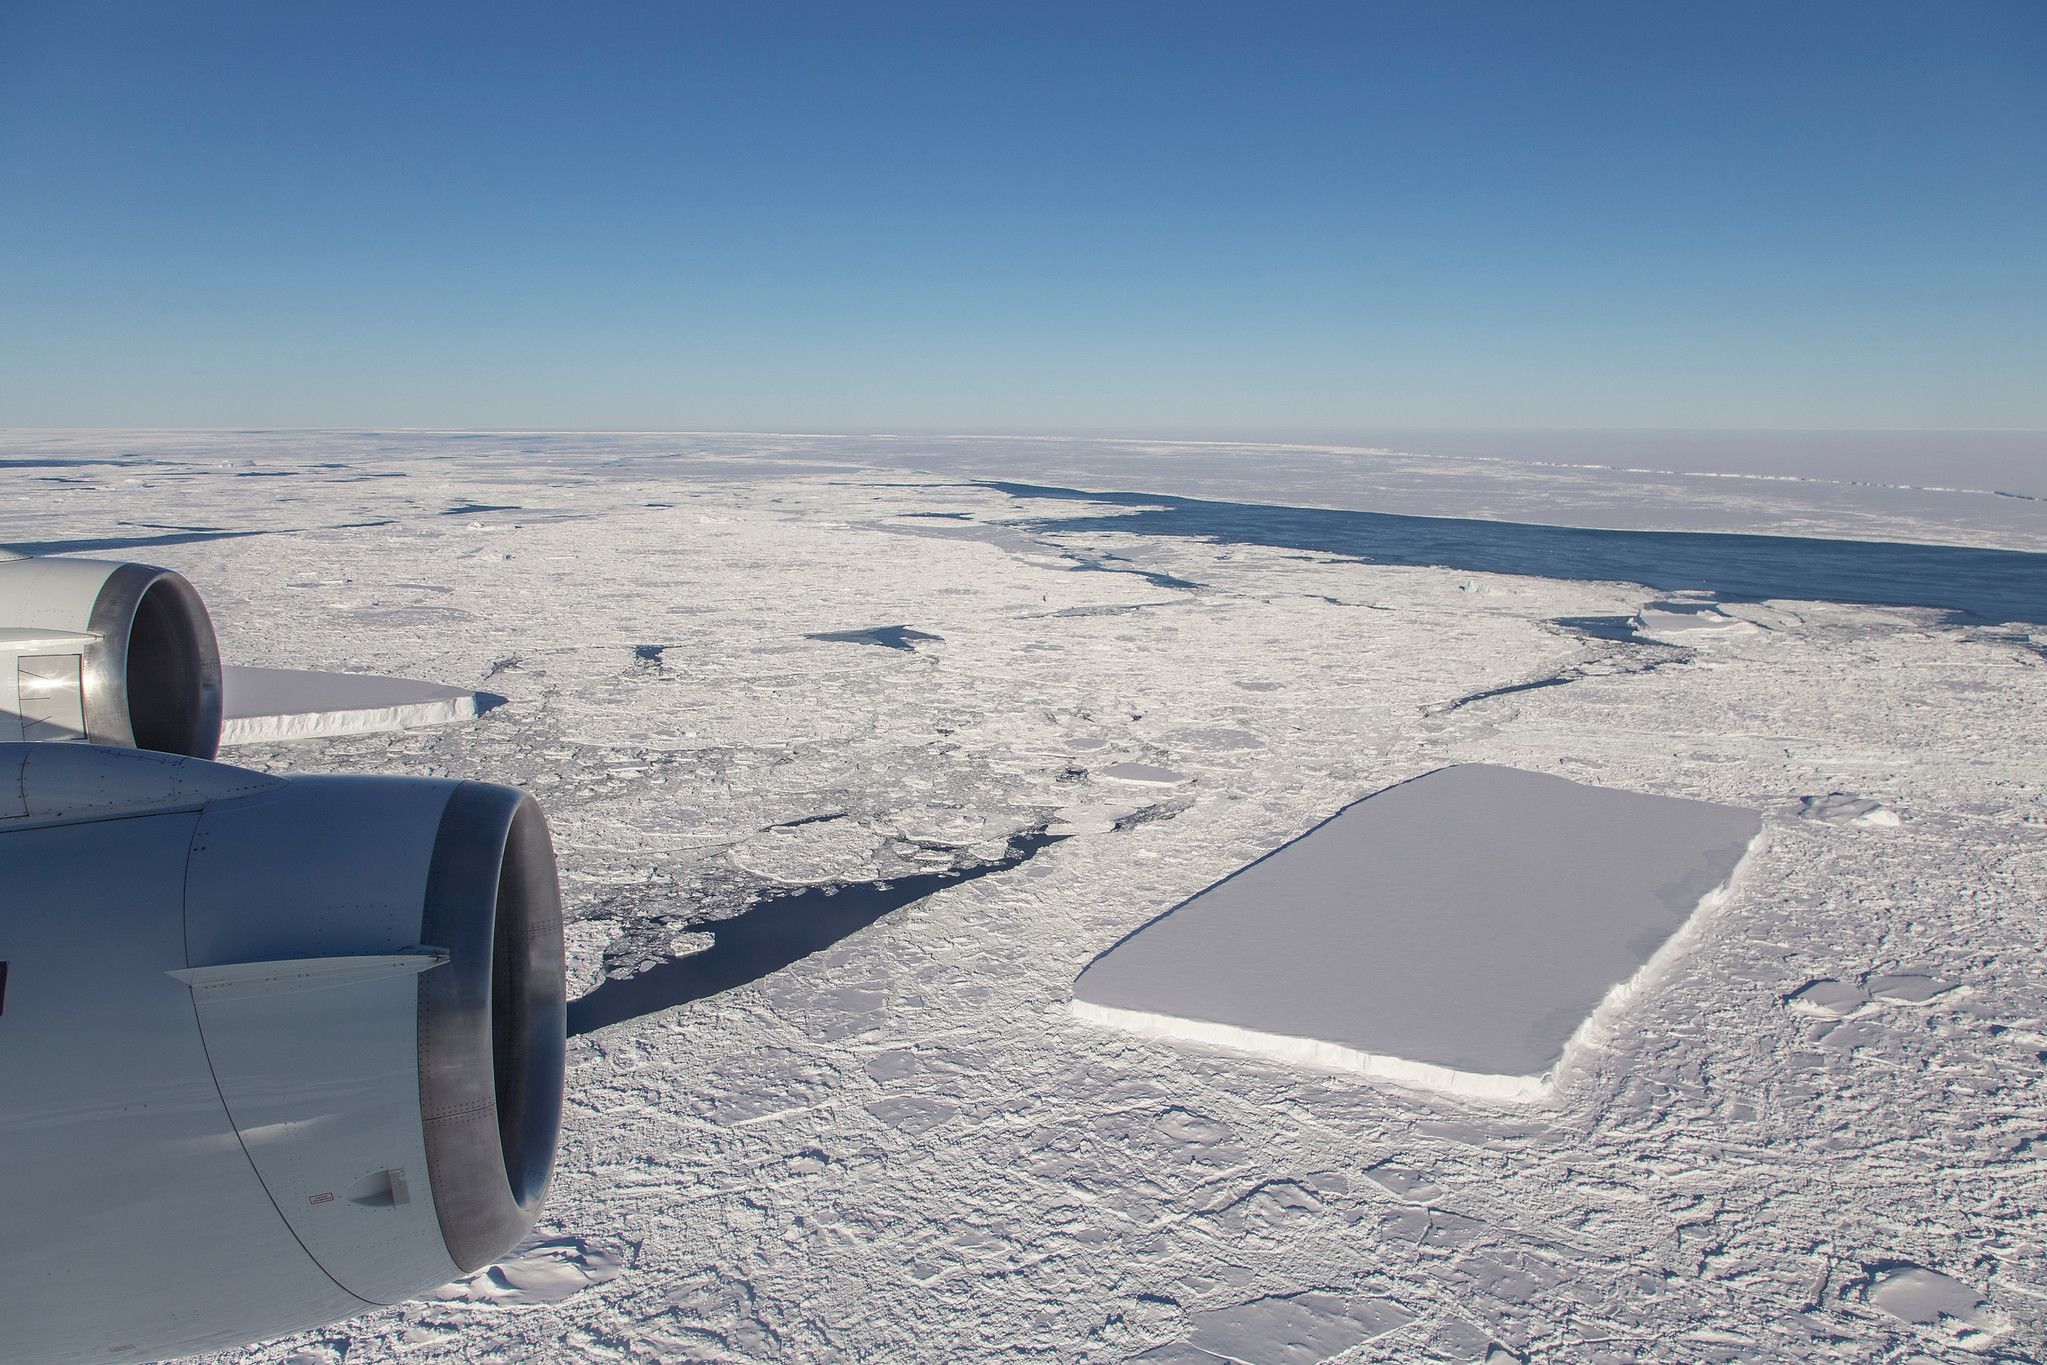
888,637
778,929
1608,666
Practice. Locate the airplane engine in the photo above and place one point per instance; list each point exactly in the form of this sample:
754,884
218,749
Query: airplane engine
106,653
273,1051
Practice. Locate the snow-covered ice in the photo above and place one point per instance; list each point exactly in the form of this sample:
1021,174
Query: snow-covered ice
1927,1298
902,1147
1828,998
1294,1329
1456,931
535,1272
1846,808
270,705
1663,621
1142,775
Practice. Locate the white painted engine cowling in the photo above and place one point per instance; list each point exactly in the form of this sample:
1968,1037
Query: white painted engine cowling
272,1051
102,652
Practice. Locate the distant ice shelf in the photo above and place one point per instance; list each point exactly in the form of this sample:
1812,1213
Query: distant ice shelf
1459,931
270,705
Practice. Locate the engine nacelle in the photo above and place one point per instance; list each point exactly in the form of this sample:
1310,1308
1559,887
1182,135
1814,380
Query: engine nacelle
106,653
272,1051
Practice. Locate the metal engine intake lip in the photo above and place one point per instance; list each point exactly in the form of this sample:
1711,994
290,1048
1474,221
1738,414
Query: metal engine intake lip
151,679
492,1022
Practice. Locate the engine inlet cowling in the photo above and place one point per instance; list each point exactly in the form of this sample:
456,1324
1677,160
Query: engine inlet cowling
319,1019
492,900
107,653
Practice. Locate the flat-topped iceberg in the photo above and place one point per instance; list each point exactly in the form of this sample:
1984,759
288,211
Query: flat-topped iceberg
274,705
1457,931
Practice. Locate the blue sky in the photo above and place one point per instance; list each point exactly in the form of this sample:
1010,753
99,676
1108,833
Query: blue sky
977,216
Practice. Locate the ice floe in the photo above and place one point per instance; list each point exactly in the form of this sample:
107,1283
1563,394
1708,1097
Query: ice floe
1295,1329
1846,808
537,1273
1826,999
1832,999
1140,775
1691,624
810,851
1926,1298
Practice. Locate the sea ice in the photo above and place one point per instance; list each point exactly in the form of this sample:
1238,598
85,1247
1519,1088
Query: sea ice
1089,818
813,851
1454,931
1846,808
1907,988
1699,1194
538,1272
1295,1329
1666,620
1831,999
268,705
1828,999
1927,1298
1142,774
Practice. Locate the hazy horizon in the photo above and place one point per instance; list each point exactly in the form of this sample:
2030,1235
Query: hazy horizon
2011,462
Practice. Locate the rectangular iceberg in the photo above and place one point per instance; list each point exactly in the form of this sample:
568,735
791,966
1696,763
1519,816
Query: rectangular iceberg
1456,931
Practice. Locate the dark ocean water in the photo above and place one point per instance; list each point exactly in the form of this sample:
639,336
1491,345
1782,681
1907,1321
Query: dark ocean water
1972,584
776,930
101,544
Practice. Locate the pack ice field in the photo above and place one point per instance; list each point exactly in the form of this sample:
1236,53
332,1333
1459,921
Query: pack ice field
859,754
